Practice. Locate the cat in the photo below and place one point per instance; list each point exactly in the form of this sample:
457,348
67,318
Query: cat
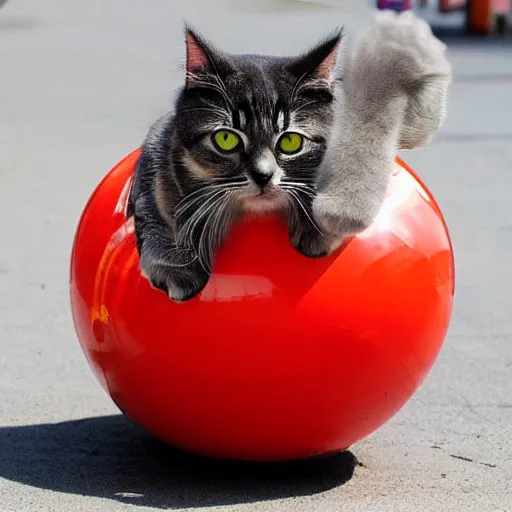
247,135
292,135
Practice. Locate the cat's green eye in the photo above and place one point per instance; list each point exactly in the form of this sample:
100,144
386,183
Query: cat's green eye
225,140
290,143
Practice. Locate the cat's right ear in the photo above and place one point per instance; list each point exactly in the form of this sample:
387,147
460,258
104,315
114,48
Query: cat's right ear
318,63
202,57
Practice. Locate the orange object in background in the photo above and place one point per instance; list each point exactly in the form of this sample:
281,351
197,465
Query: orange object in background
486,15
480,16
280,356
483,16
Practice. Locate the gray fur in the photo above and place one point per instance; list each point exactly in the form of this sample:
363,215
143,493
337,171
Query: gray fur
393,97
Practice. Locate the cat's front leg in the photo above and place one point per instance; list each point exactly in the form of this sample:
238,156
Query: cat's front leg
307,236
353,176
393,96
169,267
180,278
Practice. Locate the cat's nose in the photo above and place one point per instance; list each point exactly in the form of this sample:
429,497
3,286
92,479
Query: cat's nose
263,169
261,178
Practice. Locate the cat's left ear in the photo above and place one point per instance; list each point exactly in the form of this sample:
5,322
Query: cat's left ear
202,57
318,63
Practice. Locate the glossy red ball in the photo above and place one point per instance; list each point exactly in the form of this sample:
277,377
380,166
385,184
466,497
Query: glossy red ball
280,356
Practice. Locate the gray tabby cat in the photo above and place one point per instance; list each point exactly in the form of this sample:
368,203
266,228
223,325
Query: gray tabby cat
284,134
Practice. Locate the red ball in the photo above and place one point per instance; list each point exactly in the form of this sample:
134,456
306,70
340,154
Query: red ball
280,356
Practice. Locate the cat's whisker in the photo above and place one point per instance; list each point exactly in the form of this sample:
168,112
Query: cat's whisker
199,202
216,184
206,106
204,247
190,224
165,261
236,179
298,184
199,199
221,113
205,84
305,105
223,87
298,201
187,226
308,196
306,191
199,194
204,102
221,225
297,179
219,86
212,105
180,265
211,236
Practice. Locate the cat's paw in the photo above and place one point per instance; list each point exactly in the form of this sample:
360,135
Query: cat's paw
311,245
315,243
393,55
177,284
340,218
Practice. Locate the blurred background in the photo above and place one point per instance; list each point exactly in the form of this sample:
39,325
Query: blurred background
80,84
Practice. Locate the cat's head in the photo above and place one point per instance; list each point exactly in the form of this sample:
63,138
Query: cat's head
255,125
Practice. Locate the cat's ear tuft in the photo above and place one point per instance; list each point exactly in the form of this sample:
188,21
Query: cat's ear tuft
204,59
199,55
318,63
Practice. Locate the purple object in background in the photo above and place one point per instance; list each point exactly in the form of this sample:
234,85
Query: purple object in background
395,5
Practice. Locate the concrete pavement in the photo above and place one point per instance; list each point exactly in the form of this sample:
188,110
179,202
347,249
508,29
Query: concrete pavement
80,82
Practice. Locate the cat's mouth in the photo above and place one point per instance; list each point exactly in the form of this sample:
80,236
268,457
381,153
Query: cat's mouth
267,199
